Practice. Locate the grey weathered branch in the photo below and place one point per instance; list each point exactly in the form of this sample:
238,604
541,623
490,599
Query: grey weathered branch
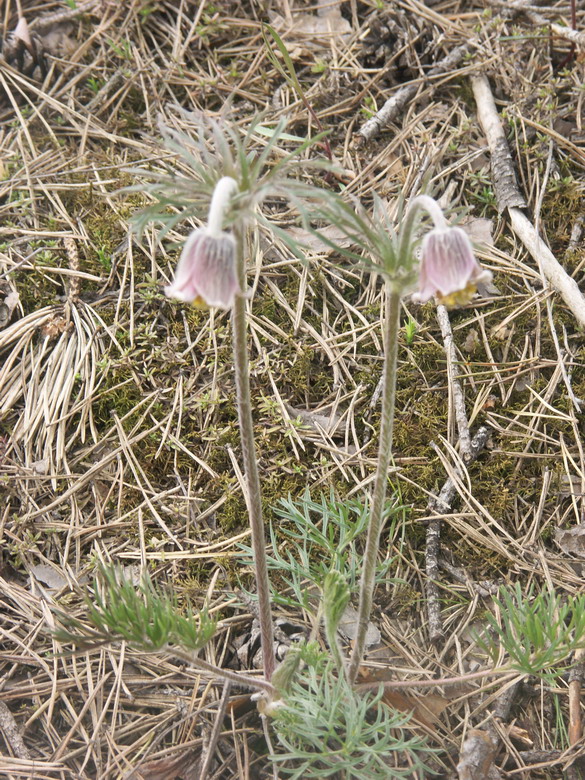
532,13
505,185
441,505
454,384
395,104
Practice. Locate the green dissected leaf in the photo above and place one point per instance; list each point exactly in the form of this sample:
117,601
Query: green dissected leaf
314,537
539,632
327,729
140,615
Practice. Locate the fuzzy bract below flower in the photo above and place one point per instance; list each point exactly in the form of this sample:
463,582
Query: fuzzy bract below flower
448,269
207,274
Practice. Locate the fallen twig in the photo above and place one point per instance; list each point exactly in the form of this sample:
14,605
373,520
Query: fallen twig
395,104
11,733
484,588
531,13
433,536
507,196
433,545
453,380
575,682
47,21
441,505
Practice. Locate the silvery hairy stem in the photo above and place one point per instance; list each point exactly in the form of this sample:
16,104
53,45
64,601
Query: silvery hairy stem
254,501
393,297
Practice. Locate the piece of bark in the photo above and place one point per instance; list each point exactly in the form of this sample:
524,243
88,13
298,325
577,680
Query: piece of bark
480,748
476,760
504,176
572,540
11,733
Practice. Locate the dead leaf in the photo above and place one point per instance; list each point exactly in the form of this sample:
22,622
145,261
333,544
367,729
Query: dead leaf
394,169
487,288
48,576
60,40
522,383
500,332
132,573
471,342
9,303
11,300
490,403
349,623
520,736
316,421
572,541
40,466
570,486
565,128
479,230
326,25
184,766
55,327
426,708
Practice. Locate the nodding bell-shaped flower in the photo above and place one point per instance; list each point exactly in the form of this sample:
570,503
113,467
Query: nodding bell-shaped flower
448,270
206,274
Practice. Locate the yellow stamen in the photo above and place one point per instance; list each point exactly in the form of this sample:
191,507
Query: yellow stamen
459,297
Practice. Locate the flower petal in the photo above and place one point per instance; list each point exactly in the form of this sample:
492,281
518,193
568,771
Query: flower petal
206,271
448,268
182,287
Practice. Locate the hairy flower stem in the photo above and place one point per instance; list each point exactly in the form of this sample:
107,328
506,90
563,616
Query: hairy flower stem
393,296
238,678
432,208
254,501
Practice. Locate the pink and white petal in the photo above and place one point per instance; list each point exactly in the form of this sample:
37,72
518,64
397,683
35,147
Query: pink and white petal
426,289
448,259
214,275
454,266
482,275
183,287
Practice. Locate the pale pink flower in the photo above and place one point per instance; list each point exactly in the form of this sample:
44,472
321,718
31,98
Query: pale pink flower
448,270
206,274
